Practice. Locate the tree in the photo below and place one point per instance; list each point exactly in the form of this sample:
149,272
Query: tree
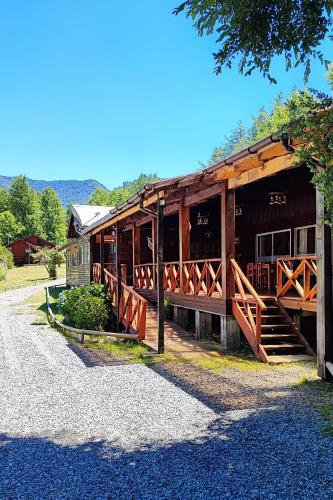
6,261
121,193
311,122
252,32
4,200
25,206
53,216
100,197
10,229
263,124
51,258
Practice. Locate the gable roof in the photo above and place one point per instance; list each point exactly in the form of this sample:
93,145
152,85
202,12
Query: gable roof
86,215
26,240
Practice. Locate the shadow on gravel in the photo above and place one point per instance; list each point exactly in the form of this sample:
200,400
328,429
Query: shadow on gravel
263,454
91,357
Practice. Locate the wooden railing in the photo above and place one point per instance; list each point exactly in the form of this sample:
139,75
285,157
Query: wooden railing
132,307
145,276
297,278
203,277
247,307
171,276
197,277
113,270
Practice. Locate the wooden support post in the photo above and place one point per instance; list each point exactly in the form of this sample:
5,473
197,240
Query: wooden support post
136,245
324,294
101,256
91,256
227,243
154,243
184,240
197,326
160,281
118,272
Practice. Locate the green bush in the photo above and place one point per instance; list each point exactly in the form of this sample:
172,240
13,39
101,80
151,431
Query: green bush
91,313
168,309
68,304
6,257
86,307
2,274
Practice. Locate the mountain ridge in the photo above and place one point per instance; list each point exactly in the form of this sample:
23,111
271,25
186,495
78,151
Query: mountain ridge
69,191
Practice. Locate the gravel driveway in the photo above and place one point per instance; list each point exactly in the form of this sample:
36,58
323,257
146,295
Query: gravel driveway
70,430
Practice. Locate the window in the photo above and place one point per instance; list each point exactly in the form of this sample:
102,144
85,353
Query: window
270,246
305,240
84,254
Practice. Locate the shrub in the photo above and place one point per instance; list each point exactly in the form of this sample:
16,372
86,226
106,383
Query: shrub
2,275
86,307
6,257
69,303
168,309
91,313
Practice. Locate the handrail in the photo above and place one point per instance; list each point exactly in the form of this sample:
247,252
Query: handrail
178,262
248,285
132,306
242,307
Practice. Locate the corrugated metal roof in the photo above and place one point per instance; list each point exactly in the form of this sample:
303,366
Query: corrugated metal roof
86,215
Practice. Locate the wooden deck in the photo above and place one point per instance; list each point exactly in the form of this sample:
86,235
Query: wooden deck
178,342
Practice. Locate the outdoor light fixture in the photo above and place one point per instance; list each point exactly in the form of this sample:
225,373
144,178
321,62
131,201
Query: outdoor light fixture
238,210
202,220
277,198
162,202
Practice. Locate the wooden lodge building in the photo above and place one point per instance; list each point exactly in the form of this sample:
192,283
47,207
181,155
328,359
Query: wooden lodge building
245,251
24,248
82,251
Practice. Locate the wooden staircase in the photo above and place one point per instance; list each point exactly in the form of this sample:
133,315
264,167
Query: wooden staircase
267,326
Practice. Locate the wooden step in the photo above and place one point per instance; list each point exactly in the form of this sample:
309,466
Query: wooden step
288,358
276,347
276,325
267,336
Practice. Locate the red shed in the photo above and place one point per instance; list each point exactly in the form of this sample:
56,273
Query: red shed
22,249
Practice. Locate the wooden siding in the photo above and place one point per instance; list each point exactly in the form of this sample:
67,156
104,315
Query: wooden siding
83,262
72,270
260,217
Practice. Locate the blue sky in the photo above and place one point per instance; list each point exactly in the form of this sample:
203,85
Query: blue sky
107,90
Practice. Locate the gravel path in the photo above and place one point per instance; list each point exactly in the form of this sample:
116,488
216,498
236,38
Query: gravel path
70,429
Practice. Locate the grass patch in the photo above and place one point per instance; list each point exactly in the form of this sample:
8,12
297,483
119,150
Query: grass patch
127,350
37,303
33,274
238,361
320,397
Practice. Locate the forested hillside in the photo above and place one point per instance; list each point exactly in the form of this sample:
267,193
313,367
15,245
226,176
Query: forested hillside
69,191
24,211
123,192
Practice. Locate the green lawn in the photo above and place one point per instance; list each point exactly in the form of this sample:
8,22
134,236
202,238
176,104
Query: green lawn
28,276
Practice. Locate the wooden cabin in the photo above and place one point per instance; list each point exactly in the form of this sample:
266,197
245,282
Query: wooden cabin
82,250
23,249
245,252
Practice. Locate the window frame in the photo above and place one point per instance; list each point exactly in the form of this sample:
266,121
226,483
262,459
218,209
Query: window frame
273,257
295,240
